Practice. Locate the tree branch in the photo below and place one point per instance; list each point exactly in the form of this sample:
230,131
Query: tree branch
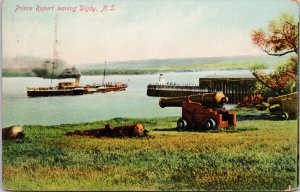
292,25
280,54
263,82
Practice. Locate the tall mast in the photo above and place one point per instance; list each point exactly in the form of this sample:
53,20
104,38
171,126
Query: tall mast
104,74
55,52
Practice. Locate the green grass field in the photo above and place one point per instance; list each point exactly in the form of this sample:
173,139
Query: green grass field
258,154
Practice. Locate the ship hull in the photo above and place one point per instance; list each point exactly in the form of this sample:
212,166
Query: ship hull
48,92
54,92
173,91
110,89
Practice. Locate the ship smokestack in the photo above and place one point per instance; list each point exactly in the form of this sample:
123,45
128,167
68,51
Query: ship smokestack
77,81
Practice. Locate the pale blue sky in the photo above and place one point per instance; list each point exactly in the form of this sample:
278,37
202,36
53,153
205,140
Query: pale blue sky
138,29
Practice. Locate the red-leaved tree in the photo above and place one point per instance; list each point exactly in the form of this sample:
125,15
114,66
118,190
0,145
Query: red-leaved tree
279,39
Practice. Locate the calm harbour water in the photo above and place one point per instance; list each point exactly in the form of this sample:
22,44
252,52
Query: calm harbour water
17,108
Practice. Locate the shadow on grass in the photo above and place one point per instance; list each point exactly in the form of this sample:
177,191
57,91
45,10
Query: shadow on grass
261,117
228,130
232,130
255,117
166,129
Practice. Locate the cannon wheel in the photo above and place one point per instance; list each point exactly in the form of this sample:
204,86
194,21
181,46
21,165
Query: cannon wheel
284,116
209,124
181,124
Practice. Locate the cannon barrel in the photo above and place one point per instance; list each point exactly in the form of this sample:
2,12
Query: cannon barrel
135,130
277,100
207,99
13,132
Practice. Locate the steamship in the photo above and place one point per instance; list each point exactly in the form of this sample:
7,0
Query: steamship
63,88
73,88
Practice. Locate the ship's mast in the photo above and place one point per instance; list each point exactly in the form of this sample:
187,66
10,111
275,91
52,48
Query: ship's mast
55,52
104,74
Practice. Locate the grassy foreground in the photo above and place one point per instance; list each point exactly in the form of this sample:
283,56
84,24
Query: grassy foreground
258,154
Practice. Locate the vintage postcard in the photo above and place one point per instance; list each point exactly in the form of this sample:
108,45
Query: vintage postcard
150,95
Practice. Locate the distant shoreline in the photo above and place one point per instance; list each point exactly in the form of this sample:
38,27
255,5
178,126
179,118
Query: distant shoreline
22,67
117,72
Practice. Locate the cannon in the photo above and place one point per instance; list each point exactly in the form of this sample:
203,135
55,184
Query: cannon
284,106
201,111
135,130
13,132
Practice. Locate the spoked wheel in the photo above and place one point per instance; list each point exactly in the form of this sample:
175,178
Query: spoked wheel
181,124
209,124
284,116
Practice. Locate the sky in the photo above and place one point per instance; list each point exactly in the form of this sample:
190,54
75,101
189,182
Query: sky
136,29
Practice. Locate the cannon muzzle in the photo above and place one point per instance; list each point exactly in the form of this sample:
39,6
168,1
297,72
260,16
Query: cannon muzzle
213,100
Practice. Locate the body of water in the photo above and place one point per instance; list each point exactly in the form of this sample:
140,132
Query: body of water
17,108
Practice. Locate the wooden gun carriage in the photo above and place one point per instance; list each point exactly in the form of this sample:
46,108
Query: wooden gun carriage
285,106
201,111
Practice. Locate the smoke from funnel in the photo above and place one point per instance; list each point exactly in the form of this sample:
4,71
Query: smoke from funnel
55,69
69,73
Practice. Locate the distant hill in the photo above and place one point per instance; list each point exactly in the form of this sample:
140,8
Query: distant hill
23,65
156,63
22,62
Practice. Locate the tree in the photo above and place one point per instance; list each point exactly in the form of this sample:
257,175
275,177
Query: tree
282,80
280,39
